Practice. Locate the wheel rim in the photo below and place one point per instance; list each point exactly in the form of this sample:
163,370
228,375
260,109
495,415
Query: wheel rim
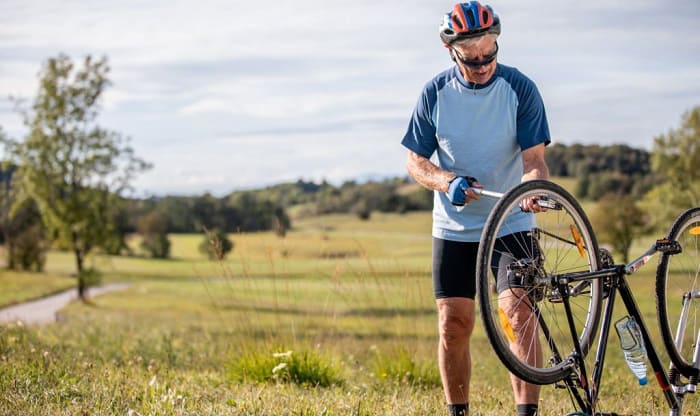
681,295
562,236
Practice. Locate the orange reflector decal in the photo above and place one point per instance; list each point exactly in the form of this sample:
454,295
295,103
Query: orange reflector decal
577,240
505,323
695,230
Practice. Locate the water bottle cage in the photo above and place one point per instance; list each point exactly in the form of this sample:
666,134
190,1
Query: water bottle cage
628,347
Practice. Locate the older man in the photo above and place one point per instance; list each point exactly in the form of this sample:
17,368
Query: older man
477,119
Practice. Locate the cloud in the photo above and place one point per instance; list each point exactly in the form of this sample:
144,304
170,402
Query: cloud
247,161
221,95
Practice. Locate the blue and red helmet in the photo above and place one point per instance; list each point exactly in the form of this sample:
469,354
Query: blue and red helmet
468,20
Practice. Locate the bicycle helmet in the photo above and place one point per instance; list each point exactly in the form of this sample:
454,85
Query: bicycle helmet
468,20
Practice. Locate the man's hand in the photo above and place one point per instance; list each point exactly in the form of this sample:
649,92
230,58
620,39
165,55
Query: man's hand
531,205
460,192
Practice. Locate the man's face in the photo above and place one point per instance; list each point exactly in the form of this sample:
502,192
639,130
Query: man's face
472,59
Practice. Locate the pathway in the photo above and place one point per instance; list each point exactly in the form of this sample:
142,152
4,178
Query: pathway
44,310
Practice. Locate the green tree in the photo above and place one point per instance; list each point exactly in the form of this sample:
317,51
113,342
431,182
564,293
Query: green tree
23,234
216,244
153,228
7,169
22,231
617,221
676,159
74,169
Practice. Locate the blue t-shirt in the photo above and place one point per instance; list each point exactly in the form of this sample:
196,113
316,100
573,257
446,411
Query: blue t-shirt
479,131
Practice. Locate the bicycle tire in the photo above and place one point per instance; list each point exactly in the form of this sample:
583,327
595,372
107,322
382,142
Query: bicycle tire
676,275
550,252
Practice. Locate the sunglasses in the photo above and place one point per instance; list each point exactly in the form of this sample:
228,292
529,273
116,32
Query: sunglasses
474,63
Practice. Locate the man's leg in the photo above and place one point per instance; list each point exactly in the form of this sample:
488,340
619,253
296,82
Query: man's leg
456,322
516,304
526,346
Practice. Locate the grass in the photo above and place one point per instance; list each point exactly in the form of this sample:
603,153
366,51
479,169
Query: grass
306,367
351,300
22,286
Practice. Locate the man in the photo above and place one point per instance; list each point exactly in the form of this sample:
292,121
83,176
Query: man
484,125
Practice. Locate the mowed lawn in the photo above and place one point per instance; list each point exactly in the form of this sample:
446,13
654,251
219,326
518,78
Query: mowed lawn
351,299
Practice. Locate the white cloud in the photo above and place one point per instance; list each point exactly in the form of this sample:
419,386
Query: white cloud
231,90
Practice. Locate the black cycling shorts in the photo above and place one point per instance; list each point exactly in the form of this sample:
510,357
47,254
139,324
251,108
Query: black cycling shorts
454,264
454,269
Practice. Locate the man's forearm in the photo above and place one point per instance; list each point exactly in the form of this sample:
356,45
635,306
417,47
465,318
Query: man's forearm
427,174
536,172
534,165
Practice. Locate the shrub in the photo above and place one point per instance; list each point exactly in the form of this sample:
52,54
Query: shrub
216,244
28,250
306,368
153,227
157,245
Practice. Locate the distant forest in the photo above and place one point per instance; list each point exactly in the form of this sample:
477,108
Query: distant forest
599,169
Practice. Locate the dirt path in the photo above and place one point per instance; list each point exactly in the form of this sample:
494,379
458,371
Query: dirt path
42,311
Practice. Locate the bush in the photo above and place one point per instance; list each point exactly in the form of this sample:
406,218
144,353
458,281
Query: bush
216,244
26,237
28,250
618,221
304,368
153,227
362,210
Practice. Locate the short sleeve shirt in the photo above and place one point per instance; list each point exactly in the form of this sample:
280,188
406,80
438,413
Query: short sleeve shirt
479,131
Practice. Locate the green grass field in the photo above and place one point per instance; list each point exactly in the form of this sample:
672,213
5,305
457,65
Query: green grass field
335,319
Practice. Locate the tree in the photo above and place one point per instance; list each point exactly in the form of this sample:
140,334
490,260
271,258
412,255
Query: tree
617,221
153,228
7,169
216,244
676,158
74,169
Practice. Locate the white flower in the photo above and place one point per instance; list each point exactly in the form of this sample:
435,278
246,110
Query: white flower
282,354
279,367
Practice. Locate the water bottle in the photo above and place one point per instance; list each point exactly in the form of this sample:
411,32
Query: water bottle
633,347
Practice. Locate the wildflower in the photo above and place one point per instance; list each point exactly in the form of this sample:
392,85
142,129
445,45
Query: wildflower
283,354
279,367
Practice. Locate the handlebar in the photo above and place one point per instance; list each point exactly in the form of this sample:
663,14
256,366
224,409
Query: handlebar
543,201
490,194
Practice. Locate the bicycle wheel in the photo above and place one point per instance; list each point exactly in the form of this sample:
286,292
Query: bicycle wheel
678,292
522,254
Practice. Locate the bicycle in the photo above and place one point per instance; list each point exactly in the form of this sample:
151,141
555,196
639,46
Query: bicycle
554,285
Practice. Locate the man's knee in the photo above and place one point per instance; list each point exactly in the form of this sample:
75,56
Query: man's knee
522,319
456,329
456,316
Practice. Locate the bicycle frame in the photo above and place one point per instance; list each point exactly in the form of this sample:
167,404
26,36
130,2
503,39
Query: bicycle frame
618,283
614,282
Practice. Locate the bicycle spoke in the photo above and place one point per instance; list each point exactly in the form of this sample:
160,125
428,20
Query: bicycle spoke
524,262
678,293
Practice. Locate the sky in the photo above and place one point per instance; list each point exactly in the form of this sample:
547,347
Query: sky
228,95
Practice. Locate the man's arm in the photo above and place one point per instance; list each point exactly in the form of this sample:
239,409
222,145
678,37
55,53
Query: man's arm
432,177
427,174
534,165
